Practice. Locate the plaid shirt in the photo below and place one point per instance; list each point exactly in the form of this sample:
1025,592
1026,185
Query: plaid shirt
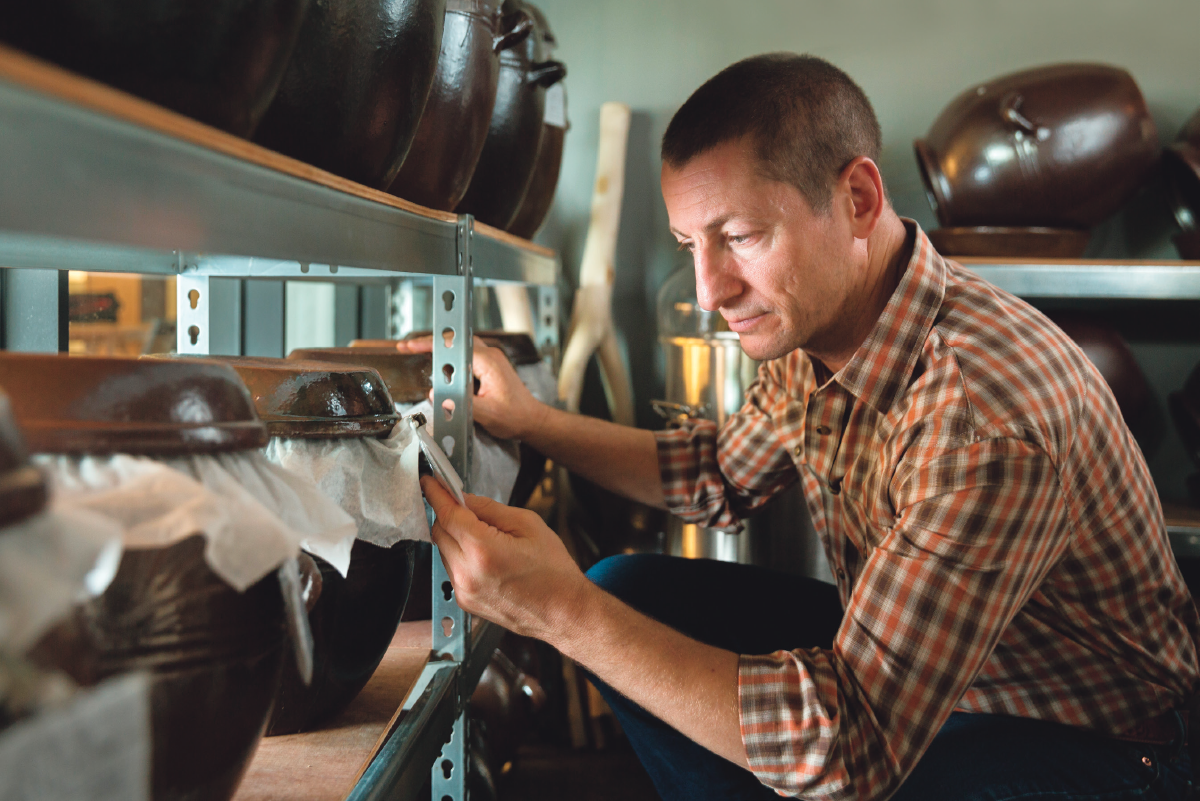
996,538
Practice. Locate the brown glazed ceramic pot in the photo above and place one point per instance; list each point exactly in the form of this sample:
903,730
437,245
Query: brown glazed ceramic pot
540,193
352,622
314,400
1182,164
356,86
22,490
503,707
219,61
406,375
518,347
355,617
213,653
1061,146
1108,351
452,130
1016,243
510,151
92,404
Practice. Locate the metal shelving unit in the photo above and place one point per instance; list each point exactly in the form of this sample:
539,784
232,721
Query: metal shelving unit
85,185
1091,278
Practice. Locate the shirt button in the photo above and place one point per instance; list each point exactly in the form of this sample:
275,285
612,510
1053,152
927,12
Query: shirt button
841,574
799,449
824,430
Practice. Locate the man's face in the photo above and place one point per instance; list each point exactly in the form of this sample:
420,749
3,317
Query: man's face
781,275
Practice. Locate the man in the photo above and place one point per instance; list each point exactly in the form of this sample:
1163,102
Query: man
1008,619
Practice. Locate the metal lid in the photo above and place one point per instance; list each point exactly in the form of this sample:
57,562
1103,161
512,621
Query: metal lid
22,489
154,407
405,374
304,399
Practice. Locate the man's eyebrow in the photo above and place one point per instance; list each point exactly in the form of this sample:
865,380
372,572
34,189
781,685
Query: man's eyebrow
713,225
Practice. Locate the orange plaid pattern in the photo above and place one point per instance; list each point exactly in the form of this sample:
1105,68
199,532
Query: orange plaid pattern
995,534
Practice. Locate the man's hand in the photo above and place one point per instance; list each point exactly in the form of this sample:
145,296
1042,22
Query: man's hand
506,565
503,405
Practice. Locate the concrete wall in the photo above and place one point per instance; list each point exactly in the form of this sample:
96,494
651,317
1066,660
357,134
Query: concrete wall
911,57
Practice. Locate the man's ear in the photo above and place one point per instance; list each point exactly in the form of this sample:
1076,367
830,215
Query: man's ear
862,185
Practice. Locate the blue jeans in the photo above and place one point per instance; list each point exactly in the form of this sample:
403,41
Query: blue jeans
975,757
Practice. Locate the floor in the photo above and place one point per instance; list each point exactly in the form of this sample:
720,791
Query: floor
543,772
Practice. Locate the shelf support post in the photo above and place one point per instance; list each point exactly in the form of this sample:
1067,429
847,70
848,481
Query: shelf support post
453,387
208,312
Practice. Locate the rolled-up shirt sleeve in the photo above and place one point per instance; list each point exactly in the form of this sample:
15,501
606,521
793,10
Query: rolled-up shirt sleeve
715,477
976,530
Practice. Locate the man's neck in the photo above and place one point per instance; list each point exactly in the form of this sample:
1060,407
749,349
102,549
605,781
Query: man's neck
889,249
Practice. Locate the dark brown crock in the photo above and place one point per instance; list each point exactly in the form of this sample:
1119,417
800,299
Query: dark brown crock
1181,161
213,653
517,346
540,193
405,374
1185,410
219,61
1188,245
22,489
93,404
1107,350
1061,146
450,136
314,400
357,84
354,617
510,151
1014,243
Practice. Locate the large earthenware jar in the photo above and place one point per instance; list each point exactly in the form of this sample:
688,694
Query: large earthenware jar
356,86
452,130
213,653
355,617
1061,146
1107,350
1182,163
514,133
540,194
219,61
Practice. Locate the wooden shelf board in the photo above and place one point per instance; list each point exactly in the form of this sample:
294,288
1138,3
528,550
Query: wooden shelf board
324,765
32,73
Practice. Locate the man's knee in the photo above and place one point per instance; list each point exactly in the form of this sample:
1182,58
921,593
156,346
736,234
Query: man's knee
622,574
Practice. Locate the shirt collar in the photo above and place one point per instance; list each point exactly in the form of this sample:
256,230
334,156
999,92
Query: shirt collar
878,373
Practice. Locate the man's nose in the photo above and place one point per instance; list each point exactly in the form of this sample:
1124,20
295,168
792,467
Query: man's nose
715,284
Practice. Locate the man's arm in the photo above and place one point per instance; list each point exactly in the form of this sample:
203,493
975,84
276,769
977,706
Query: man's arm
621,459
507,567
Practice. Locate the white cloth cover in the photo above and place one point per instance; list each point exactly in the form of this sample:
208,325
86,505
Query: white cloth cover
254,514
95,748
48,562
540,382
374,480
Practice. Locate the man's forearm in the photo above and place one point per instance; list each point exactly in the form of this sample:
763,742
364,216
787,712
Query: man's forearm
619,458
683,682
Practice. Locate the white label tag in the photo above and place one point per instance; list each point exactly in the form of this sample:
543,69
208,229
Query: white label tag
556,106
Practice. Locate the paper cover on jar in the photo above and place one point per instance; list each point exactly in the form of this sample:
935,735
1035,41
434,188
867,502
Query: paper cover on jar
48,562
253,514
374,480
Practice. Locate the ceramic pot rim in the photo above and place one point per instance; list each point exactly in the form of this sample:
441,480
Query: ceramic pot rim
937,189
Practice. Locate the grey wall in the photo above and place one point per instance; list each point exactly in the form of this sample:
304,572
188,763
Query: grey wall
910,56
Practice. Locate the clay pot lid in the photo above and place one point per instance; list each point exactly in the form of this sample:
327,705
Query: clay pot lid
152,407
22,489
1010,242
518,347
304,399
405,374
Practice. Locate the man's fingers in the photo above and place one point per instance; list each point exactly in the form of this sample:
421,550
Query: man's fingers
450,516
506,518
418,345
448,547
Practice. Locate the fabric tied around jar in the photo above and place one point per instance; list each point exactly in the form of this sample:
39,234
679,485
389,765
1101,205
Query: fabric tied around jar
494,462
254,515
375,481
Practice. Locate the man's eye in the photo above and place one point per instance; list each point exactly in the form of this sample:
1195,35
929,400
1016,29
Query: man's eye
740,239
685,246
